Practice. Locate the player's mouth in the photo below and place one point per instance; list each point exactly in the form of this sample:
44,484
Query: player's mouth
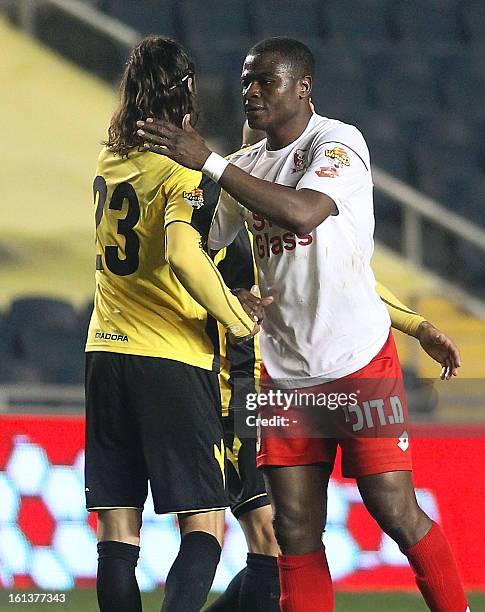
254,110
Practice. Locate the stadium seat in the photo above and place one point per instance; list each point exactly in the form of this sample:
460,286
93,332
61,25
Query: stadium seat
470,260
388,216
433,160
404,65
478,127
390,156
450,188
474,55
440,129
387,147
14,371
464,97
57,354
358,20
221,61
337,95
405,93
426,21
147,17
336,55
36,311
4,337
473,17
449,62
475,203
44,334
378,126
211,23
287,18
84,316
386,61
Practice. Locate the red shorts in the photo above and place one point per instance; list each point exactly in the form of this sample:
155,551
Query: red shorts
376,435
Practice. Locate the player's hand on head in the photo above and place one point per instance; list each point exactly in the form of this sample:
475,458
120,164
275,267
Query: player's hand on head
183,145
441,348
252,302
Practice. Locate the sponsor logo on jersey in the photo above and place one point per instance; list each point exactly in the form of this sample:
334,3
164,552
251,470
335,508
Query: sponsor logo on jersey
271,241
194,198
329,172
101,335
299,161
339,156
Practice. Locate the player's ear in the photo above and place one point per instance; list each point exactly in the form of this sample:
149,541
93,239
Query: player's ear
305,86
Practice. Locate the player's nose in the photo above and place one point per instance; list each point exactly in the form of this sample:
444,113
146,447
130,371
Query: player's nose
253,90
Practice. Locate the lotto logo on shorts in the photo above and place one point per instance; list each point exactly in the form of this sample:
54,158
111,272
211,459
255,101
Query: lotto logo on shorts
194,198
403,442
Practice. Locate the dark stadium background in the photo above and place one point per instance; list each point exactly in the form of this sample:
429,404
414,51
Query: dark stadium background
411,75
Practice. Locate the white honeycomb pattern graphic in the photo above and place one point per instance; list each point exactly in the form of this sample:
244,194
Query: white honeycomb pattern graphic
46,538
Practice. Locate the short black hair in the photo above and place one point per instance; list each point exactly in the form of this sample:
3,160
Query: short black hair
298,55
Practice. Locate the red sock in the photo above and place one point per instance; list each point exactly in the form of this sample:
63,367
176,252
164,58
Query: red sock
305,582
436,572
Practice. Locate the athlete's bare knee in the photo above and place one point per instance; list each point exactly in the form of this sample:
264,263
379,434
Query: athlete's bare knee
392,502
211,522
295,533
257,526
120,525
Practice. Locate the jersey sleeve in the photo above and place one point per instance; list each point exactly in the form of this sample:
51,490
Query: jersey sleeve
338,164
402,317
227,222
200,277
190,197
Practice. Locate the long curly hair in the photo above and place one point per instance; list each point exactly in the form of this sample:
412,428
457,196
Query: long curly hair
154,84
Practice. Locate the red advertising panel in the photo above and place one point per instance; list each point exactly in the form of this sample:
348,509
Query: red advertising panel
47,539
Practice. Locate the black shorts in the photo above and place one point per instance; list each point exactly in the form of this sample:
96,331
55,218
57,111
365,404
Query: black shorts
157,420
245,483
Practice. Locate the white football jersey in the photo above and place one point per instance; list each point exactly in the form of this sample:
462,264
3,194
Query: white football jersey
326,320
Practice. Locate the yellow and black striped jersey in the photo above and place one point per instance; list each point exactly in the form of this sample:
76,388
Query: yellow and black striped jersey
140,306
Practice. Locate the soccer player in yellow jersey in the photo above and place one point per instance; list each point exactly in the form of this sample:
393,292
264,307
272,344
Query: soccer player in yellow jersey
153,410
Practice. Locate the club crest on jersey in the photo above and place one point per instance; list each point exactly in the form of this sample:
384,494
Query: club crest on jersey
194,198
299,161
339,156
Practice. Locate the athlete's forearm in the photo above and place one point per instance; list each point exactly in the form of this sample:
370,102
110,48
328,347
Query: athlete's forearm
201,278
298,210
402,317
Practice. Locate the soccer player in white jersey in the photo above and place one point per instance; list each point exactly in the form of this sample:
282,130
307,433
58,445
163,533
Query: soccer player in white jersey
306,194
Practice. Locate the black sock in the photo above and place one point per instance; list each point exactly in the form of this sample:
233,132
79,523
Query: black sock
229,600
192,573
116,584
260,588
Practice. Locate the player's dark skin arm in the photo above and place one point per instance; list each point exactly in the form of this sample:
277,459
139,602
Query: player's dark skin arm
299,211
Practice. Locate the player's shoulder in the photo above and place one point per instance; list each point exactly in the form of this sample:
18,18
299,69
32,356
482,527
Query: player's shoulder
144,162
332,131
